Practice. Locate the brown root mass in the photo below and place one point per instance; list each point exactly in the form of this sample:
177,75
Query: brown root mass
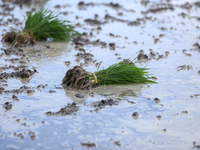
19,39
77,78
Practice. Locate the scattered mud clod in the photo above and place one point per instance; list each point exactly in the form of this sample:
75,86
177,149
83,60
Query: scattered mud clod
197,147
79,95
20,135
84,34
52,91
185,112
134,23
16,51
17,120
142,56
32,135
184,67
159,8
157,100
85,55
25,73
30,92
159,117
70,109
131,102
112,44
42,86
92,22
152,55
57,6
80,41
25,87
89,145
2,89
118,143
116,5
14,97
103,103
8,105
165,130
77,78
156,40
81,50
135,115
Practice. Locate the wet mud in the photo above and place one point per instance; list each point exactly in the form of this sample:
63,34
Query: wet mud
70,109
103,103
39,106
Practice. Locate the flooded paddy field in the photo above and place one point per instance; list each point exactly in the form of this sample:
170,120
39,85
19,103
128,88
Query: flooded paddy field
36,112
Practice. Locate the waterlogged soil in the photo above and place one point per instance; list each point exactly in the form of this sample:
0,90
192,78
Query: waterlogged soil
36,112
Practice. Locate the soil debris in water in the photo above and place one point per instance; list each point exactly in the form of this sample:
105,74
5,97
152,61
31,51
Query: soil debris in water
107,102
70,109
184,67
89,145
25,73
135,115
8,105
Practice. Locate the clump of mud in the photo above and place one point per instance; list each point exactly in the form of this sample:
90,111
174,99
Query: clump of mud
20,74
107,102
8,105
184,67
89,145
77,78
17,51
70,109
19,38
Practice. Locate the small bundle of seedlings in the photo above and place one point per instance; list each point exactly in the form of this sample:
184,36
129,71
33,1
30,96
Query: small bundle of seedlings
40,25
125,72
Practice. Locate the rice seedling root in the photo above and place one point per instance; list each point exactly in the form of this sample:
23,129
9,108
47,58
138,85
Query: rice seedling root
19,38
77,78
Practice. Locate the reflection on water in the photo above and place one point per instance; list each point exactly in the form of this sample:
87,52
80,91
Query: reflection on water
48,49
131,90
115,91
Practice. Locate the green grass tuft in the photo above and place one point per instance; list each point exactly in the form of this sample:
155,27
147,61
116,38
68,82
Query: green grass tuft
122,73
45,24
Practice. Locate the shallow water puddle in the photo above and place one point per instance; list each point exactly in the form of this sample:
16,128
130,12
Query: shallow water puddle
37,113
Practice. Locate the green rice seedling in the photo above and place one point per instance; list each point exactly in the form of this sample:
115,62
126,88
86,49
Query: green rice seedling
121,73
125,72
45,24
41,25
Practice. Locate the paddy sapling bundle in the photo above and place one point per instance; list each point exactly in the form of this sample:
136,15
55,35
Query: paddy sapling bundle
41,25
125,72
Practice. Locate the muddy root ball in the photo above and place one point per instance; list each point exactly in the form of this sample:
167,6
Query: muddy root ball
19,39
77,78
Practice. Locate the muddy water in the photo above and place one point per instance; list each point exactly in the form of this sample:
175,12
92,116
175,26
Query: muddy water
167,113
